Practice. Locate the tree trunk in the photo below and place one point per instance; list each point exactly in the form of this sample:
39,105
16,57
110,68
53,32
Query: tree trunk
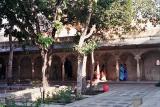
45,84
9,71
79,76
81,71
92,71
49,62
84,82
44,69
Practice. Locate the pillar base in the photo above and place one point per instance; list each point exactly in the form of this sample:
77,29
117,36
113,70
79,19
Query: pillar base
117,80
138,80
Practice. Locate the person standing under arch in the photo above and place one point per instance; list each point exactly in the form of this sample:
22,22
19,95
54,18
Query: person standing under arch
123,72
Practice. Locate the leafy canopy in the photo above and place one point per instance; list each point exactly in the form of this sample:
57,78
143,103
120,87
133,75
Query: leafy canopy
147,8
31,18
34,17
88,47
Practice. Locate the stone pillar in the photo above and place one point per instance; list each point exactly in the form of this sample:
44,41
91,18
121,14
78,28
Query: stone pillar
63,70
98,70
96,61
6,71
137,57
33,71
19,70
117,67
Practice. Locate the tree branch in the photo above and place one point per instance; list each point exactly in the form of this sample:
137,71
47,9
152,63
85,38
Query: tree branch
82,39
88,19
91,32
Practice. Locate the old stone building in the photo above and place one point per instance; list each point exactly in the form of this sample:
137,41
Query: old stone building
141,54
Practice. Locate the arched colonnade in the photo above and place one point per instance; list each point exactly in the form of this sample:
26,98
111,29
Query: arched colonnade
141,64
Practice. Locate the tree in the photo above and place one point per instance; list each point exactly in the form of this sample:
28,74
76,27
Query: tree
106,14
37,21
86,6
10,60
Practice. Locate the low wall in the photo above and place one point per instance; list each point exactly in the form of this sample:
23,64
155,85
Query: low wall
30,94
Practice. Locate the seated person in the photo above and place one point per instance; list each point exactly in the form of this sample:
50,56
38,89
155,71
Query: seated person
95,79
103,74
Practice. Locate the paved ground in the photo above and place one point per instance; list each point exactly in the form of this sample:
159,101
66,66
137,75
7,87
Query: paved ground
123,95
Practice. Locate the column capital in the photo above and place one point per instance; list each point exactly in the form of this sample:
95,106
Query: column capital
63,58
117,57
137,57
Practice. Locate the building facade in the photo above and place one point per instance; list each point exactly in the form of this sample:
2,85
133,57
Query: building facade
140,55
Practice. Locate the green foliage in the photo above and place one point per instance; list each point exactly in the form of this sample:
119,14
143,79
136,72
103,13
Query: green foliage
106,14
62,96
77,10
31,18
38,102
112,13
58,25
87,47
45,41
147,8
2,105
128,8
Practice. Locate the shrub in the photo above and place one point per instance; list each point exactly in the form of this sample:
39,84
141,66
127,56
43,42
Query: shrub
2,105
64,96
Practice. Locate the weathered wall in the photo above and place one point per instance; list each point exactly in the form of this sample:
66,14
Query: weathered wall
151,70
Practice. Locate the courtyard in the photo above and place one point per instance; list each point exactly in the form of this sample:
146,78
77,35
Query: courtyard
120,94
123,95
50,50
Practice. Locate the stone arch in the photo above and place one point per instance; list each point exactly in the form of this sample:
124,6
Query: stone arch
150,71
56,69
38,62
108,61
73,66
131,65
25,68
15,73
2,69
144,51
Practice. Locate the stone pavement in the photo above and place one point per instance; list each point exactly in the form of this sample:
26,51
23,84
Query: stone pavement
123,95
